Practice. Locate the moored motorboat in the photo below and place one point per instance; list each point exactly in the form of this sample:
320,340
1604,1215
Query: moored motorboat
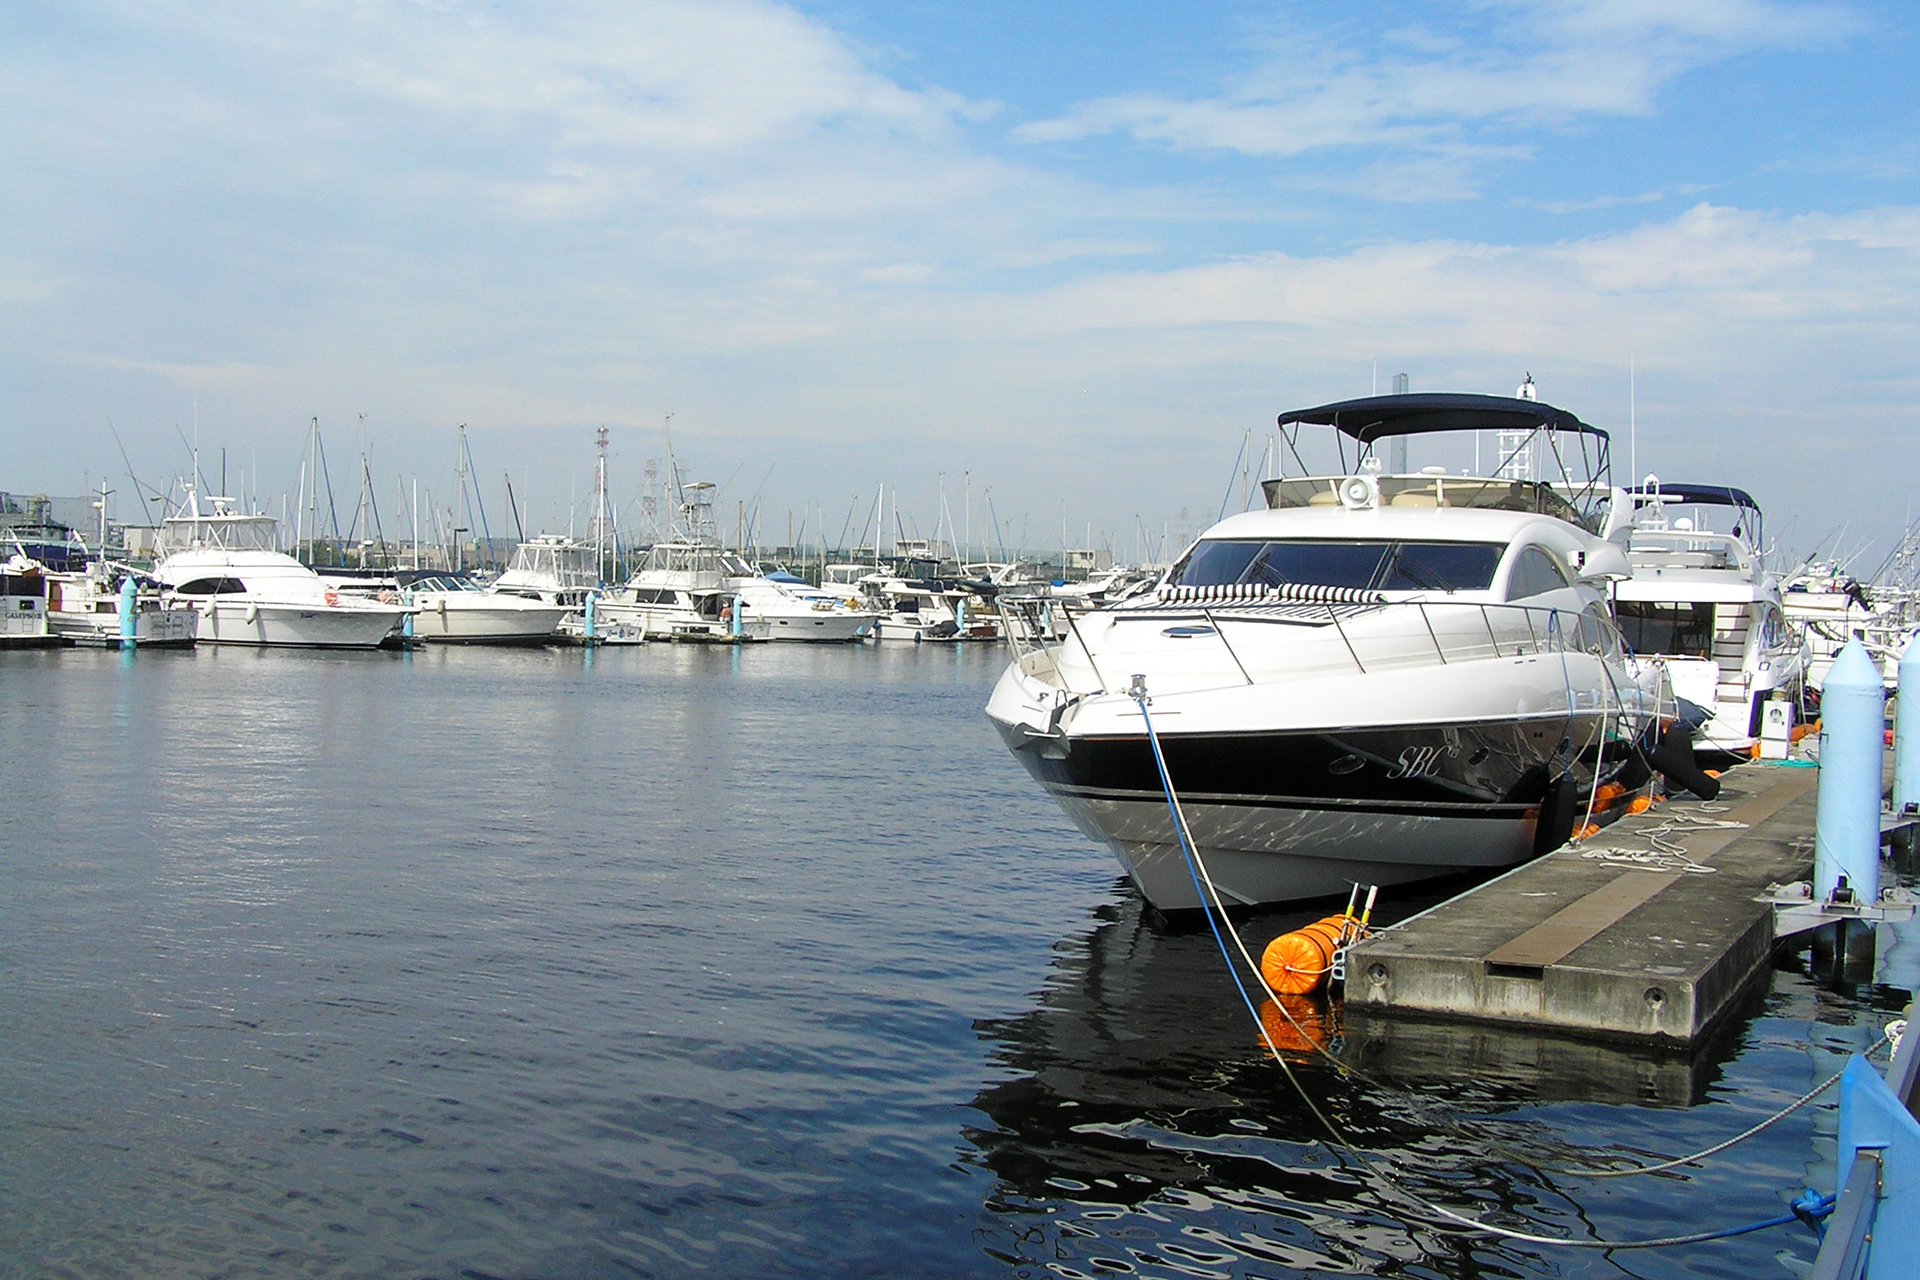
115,607
1703,604
452,608
221,562
791,610
1378,679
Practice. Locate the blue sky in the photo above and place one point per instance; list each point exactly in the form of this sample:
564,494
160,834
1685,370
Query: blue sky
1077,250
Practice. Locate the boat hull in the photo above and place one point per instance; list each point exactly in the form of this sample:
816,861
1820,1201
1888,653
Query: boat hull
819,628
153,628
1292,816
503,621
297,626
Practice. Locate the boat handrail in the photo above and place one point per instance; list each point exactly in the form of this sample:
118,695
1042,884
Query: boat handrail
1496,630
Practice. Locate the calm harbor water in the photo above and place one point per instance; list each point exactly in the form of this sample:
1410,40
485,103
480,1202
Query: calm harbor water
676,961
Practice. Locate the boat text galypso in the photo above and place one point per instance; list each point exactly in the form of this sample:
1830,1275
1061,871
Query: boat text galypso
1379,678
1703,604
222,562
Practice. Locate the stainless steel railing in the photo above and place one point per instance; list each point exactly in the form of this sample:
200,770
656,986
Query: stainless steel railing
1448,631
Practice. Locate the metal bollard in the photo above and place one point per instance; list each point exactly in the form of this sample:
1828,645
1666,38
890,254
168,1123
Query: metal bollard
129,613
1852,754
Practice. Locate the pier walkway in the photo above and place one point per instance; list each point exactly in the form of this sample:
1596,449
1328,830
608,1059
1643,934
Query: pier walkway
1646,930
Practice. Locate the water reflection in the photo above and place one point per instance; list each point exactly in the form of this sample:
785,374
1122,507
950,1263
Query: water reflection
1141,1127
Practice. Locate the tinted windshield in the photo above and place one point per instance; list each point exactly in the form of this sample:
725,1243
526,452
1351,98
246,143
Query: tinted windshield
1378,566
1678,630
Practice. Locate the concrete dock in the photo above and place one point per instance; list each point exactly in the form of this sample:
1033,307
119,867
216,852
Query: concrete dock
1649,930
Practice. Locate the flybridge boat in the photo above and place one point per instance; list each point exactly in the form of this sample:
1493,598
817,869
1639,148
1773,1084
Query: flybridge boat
1704,604
692,588
222,562
681,591
551,569
1380,678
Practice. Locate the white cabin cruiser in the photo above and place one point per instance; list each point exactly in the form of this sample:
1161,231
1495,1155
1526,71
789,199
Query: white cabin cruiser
23,601
114,606
1379,679
454,609
551,569
921,609
1828,607
222,562
793,610
1704,604
681,592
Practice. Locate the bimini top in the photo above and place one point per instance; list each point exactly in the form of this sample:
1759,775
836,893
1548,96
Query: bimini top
1702,495
1373,417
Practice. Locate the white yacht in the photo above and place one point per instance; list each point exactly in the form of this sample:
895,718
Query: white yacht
681,591
112,605
23,601
921,609
1380,678
452,608
1828,607
793,610
551,569
222,563
1703,604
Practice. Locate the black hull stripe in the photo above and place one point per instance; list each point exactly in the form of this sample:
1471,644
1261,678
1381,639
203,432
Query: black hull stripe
1382,808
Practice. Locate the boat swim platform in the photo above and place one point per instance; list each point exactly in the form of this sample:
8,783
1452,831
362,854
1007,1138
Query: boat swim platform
1649,930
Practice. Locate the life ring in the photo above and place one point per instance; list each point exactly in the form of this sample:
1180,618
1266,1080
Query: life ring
333,599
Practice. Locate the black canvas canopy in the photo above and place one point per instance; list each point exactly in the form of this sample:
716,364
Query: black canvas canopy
1704,495
1374,417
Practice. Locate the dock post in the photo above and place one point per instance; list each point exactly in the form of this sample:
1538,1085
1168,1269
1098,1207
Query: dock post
1846,832
1906,748
406,623
734,627
129,613
587,634
1846,836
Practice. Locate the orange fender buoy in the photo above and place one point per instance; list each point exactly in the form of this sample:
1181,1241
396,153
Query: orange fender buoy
1639,804
1297,963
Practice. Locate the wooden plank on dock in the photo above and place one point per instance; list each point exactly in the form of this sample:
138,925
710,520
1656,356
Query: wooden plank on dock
1572,927
1619,935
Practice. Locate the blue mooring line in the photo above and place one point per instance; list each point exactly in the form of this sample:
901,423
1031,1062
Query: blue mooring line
1809,1207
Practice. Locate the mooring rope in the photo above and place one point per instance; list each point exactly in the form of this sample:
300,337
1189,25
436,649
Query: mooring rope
1210,903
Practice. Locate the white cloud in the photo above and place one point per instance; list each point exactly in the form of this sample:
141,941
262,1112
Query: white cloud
1510,65
540,221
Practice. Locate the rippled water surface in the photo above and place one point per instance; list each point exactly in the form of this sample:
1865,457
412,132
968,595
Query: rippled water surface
676,961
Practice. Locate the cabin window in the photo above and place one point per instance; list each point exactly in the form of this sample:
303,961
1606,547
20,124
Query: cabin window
1682,630
1378,565
1534,574
211,587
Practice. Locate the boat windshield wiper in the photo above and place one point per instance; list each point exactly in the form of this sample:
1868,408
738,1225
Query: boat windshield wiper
1412,570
